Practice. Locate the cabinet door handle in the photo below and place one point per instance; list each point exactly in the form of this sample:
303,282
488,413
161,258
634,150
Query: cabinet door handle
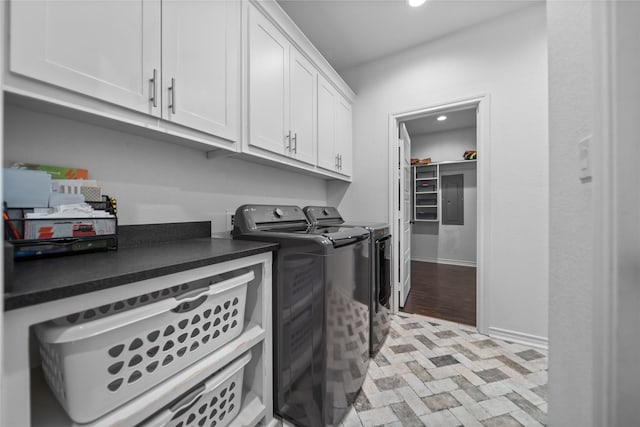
340,161
294,143
172,96
287,141
336,161
154,88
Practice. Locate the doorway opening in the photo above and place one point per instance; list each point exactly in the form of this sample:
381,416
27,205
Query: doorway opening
439,264
444,212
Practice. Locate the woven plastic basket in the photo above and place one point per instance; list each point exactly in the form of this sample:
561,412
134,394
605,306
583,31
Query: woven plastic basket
94,366
215,402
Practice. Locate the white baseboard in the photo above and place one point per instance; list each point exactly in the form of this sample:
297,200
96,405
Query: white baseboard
446,261
520,338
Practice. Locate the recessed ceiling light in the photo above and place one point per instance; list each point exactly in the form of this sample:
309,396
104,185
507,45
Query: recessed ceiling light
416,3
442,118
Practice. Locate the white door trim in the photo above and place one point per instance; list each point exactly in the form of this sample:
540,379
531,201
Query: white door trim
2,272
482,102
604,296
616,207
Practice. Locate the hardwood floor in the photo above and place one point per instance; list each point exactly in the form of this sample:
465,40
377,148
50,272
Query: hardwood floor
443,291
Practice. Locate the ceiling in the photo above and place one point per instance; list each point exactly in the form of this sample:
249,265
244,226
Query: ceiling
353,32
455,120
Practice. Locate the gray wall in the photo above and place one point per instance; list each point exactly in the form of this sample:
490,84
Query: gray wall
153,181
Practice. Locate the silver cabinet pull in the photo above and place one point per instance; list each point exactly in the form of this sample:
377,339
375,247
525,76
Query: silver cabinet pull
172,96
294,143
154,88
340,161
287,141
336,161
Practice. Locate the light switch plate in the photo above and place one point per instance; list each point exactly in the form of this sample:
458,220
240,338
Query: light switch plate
584,148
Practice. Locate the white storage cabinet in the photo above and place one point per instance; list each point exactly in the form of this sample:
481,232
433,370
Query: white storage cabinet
334,129
176,60
107,50
201,65
200,339
425,193
298,108
282,94
227,77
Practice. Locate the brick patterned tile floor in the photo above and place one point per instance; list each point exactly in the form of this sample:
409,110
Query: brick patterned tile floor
437,373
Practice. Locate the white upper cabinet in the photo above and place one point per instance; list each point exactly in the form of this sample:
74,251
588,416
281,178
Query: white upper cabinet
201,65
210,74
105,49
334,129
344,136
281,93
327,99
177,60
268,85
303,108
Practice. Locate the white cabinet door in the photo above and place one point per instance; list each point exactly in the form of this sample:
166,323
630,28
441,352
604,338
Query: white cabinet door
268,85
344,136
201,65
327,99
334,130
303,108
100,48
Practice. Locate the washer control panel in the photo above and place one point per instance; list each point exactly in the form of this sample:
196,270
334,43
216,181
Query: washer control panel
263,217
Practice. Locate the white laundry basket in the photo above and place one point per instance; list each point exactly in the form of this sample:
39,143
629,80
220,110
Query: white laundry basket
215,402
94,366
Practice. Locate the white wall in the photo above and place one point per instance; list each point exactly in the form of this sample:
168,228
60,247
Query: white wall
446,145
595,238
570,203
506,59
153,181
435,242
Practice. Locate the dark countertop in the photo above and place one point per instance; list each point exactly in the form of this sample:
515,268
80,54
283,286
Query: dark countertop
43,280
